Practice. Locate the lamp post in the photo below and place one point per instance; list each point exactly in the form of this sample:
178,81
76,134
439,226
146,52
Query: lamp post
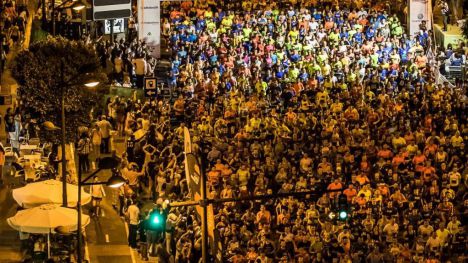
63,85
64,161
114,181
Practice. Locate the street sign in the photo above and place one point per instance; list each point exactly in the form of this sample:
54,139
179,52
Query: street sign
111,9
150,87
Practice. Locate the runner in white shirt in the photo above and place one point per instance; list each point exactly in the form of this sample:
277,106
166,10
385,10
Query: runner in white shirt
97,193
132,214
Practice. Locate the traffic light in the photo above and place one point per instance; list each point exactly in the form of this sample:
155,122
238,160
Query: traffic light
343,215
341,211
157,221
343,207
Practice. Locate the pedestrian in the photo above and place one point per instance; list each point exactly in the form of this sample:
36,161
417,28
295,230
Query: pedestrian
445,10
130,148
173,219
14,34
132,175
96,140
125,192
84,149
132,214
118,68
154,232
3,57
143,245
9,124
131,28
2,162
140,67
97,193
105,128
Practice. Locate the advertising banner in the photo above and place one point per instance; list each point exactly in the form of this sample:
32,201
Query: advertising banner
193,175
149,25
419,10
119,26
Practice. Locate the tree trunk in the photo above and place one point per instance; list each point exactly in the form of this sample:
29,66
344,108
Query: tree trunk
27,32
32,6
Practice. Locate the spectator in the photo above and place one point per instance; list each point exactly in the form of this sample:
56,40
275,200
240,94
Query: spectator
132,214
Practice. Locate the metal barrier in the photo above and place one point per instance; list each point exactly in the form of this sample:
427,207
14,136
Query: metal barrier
456,73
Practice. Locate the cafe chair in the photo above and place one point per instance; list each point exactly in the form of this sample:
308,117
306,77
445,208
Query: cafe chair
17,173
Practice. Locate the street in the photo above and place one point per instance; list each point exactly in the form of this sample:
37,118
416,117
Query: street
106,235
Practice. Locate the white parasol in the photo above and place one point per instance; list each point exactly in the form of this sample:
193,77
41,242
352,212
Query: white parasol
48,192
45,219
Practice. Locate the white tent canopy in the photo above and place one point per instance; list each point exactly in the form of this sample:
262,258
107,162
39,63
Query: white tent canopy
46,219
48,192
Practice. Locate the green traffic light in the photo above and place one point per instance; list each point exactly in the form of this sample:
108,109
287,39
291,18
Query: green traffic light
156,220
343,215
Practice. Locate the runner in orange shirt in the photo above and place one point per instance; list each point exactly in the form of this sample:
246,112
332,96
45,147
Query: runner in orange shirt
335,185
350,193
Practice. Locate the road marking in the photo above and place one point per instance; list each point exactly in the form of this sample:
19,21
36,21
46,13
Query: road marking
107,238
129,248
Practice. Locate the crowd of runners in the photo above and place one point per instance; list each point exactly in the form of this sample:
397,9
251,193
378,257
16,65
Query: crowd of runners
298,98
301,96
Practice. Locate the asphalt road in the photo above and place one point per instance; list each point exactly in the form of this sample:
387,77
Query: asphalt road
106,234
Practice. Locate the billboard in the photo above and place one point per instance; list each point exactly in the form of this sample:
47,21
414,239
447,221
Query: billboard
419,10
149,25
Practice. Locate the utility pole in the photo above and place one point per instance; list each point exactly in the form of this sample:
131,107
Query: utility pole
204,205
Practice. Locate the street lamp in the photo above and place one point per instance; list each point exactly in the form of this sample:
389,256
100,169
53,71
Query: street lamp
114,181
90,83
63,84
78,5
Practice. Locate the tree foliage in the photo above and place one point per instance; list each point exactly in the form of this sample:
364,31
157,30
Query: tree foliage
38,73
465,29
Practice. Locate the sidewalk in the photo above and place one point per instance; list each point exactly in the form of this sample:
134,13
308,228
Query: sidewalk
9,238
8,86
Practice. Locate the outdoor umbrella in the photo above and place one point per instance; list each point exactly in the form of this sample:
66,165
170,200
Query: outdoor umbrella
48,192
45,219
